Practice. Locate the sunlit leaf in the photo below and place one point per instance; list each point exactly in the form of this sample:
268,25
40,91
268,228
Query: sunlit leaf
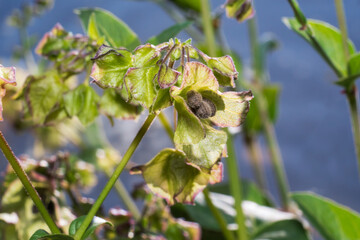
167,76
110,66
169,176
224,69
332,220
115,32
140,83
208,151
146,55
189,128
235,110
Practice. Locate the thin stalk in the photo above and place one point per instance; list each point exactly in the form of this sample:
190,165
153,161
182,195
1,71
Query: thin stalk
255,157
126,198
9,155
208,27
236,188
351,93
352,100
269,131
218,216
166,124
114,177
342,24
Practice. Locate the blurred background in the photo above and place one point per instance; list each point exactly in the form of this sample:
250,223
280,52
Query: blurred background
313,125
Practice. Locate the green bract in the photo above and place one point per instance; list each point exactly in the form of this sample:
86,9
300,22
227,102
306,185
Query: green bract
241,10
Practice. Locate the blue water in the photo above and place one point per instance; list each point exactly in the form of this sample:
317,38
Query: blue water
313,127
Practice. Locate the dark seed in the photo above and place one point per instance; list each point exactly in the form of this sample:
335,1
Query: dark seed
204,111
194,99
212,106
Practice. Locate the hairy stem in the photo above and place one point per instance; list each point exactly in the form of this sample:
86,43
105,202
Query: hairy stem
208,27
114,177
126,198
218,216
15,164
236,188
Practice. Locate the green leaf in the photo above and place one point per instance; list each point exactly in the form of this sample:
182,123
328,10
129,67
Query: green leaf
112,29
224,70
162,101
208,151
235,110
332,220
169,176
113,105
82,102
326,39
168,33
39,234
281,230
353,71
140,84
96,222
189,129
41,94
167,76
110,66
241,10
93,32
146,56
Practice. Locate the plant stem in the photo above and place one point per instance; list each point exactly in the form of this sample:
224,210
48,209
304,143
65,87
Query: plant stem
218,216
15,164
342,24
208,27
125,197
352,100
236,188
165,122
351,93
114,177
269,131
255,156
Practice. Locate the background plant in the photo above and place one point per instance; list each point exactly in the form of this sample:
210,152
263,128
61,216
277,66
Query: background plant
257,229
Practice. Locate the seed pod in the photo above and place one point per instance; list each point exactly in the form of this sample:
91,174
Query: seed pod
212,106
194,99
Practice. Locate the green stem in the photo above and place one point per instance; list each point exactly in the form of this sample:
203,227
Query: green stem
255,157
114,177
126,198
218,216
270,135
208,27
15,164
166,124
352,100
236,188
342,24
351,93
